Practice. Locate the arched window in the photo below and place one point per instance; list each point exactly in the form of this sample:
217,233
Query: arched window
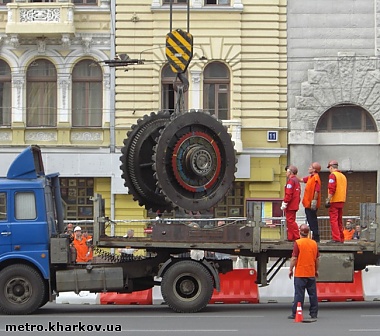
168,94
41,94
5,94
87,102
216,90
346,117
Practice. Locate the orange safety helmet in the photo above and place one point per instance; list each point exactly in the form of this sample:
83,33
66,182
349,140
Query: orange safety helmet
316,166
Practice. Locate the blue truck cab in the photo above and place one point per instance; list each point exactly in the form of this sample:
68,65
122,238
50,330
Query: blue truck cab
30,215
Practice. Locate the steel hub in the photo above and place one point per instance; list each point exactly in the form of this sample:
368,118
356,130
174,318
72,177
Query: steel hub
18,290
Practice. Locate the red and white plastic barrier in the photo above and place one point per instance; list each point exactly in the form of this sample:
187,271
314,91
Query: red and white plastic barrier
339,292
239,286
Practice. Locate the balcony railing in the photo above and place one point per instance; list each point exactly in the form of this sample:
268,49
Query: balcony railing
40,19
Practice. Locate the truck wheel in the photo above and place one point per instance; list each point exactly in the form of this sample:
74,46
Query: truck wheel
46,297
22,290
187,287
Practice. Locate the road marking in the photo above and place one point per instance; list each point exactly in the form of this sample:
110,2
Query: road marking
364,330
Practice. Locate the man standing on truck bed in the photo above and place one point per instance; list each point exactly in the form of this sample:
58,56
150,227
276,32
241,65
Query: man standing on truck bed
305,259
337,189
291,202
312,198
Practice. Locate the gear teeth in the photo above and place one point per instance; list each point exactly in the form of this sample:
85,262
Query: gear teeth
137,186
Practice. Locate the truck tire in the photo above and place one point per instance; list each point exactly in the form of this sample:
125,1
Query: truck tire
22,290
187,286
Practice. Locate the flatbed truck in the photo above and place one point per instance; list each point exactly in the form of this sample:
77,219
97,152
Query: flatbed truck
36,263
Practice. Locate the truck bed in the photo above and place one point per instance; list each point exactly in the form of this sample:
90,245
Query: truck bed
233,239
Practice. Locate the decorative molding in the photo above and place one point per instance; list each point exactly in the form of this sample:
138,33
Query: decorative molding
86,43
195,76
66,41
346,78
70,15
5,136
40,136
13,41
107,81
63,84
18,83
40,15
86,136
41,45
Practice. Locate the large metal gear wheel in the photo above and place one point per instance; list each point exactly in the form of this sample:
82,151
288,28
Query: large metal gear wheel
137,163
195,161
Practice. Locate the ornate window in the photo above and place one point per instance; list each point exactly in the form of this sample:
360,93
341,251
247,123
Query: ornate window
5,94
216,90
168,94
346,117
87,96
41,94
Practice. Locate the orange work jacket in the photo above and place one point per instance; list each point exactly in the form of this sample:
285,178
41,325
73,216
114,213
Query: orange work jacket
341,188
308,195
82,249
307,258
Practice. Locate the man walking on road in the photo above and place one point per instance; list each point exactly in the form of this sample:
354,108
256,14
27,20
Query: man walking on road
337,189
312,198
305,259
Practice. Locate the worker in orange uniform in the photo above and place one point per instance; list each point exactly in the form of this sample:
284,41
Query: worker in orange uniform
348,231
305,259
80,244
337,189
312,198
291,202
88,237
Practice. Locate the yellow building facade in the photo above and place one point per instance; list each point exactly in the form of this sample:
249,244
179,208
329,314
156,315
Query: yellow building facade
58,92
239,50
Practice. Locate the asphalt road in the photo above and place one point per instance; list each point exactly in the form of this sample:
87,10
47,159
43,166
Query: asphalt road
336,319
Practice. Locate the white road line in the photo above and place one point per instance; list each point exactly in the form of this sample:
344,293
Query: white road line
363,330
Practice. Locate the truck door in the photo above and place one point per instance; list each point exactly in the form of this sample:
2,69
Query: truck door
5,228
29,228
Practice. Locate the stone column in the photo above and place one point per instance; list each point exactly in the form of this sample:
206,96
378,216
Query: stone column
196,89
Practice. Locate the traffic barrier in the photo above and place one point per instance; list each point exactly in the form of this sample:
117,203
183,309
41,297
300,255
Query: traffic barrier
237,286
84,297
371,288
342,291
280,289
156,293
136,298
